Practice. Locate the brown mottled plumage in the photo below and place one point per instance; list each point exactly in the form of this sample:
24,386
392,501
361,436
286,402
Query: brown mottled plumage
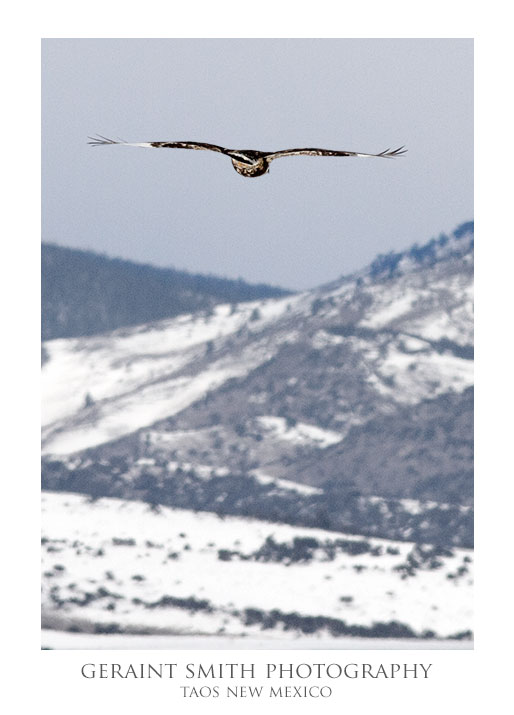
248,162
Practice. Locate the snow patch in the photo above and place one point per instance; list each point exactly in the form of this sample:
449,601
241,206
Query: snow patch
299,433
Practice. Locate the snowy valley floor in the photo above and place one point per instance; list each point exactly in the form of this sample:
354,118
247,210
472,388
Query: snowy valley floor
117,574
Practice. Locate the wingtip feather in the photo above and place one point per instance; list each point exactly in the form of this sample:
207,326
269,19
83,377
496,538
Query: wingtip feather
100,140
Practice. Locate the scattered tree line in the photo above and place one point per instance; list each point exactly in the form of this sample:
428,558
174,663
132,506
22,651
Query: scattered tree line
386,265
340,507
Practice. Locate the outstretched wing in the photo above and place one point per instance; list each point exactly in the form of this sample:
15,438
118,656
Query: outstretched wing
388,153
103,141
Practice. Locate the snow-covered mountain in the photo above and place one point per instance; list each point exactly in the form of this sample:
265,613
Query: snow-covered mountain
276,385
342,414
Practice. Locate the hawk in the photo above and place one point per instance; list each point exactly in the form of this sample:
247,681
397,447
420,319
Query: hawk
247,162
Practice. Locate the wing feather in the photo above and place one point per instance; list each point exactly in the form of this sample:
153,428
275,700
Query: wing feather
99,140
388,154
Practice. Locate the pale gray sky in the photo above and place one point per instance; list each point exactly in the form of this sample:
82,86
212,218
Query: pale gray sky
310,219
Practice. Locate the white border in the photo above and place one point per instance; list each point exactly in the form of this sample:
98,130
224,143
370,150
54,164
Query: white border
50,678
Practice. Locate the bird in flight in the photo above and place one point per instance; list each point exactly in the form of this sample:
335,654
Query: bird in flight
247,162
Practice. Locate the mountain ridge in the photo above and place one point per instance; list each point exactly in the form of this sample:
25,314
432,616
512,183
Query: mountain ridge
87,293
